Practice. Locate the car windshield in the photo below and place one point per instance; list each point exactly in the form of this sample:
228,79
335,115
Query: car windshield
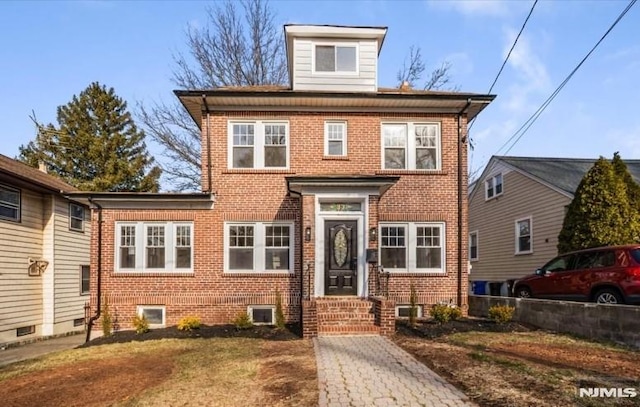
635,253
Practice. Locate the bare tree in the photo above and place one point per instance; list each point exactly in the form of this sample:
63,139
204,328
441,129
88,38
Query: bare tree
413,69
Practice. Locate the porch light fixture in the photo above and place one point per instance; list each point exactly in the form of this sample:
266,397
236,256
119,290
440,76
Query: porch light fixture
373,234
307,234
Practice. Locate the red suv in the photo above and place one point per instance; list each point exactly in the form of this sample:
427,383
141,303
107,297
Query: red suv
606,275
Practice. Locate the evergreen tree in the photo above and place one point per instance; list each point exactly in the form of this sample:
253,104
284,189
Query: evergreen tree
96,145
600,213
633,189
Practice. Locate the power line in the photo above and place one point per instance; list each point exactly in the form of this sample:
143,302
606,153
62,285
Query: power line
523,129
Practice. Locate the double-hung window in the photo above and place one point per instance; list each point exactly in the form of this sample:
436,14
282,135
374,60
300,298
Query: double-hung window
9,203
335,139
154,246
523,236
412,246
342,58
473,246
258,247
258,144
493,186
85,275
411,146
76,217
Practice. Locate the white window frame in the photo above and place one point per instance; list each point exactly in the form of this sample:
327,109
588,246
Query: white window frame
335,45
517,235
474,233
140,311
71,217
411,238
403,306
141,246
250,309
494,183
259,247
327,140
410,145
258,143
12,205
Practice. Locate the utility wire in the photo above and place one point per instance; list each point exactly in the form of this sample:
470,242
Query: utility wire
523,129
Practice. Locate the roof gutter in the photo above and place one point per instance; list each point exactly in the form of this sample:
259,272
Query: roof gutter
462,139
205,107
98,270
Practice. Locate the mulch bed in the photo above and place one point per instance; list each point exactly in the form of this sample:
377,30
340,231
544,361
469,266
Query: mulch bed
291,332
430,330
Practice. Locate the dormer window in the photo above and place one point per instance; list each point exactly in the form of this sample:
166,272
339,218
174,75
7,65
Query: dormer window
336,58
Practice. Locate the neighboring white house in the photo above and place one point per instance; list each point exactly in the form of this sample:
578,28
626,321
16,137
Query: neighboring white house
44,255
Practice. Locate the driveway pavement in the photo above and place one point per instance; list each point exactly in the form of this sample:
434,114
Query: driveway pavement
39,348
373,371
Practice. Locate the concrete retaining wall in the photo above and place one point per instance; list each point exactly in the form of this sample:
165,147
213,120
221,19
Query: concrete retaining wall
617,323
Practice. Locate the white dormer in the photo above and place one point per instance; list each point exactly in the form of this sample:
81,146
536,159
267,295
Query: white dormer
333,58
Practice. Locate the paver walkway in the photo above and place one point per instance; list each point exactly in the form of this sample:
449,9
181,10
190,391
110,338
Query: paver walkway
373,371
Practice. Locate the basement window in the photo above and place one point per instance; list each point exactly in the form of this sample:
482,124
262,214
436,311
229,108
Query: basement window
403,311
262,314
155,315
26,330
78,322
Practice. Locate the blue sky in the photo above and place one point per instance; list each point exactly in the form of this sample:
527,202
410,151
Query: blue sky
50,51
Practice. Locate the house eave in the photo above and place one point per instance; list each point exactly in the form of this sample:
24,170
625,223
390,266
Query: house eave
299,185
147,200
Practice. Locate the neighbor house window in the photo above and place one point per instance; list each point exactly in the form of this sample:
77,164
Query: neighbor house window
412,247
523,236
336,58
493,186
411,146
76,217
85,273
258,247
335,139
473,246
9,203
258,144
154,246
155,315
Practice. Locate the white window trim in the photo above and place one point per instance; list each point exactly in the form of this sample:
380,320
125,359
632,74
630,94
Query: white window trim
410,146
140,247
71,217
258,144
411,239
344,138
335,73
259,246
486,188
141,308
10,205
250,309
475,232
517,236
418,308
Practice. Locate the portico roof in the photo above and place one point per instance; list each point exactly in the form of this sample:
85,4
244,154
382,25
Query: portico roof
297,184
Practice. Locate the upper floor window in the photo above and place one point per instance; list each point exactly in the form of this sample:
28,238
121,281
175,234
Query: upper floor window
258,144
9,203
335,138
336,58
257,247
493,186
76,217
154,246
473,245
523,236
412,247
411,146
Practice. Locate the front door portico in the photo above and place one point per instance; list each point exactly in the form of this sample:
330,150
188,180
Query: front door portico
341,257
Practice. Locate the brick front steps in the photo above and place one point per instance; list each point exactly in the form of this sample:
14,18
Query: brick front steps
348,316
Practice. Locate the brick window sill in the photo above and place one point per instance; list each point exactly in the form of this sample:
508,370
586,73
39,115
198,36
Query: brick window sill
189,274
257,171
335,158
259,274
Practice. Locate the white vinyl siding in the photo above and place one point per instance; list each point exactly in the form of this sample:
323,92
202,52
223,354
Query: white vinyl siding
258,144
306,77
413,247
335,139
258,247
154,247
411,146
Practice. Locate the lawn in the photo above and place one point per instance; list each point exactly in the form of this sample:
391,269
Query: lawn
513,365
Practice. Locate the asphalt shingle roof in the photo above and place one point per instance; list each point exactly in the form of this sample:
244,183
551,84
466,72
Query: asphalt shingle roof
20,170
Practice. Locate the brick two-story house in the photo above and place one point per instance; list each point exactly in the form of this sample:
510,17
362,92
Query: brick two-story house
307,190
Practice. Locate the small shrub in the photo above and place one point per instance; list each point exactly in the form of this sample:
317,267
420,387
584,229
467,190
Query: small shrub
455,312
242,321
441,313
189,323
107,319
413,307
141,324
279,312
501,313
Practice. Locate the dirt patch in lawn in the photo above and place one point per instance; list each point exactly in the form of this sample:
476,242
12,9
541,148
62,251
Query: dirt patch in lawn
513,365
89,383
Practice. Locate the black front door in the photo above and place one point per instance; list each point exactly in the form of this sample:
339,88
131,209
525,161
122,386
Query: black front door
341,257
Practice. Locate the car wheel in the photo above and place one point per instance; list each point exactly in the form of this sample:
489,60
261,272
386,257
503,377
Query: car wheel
523,292
608,296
